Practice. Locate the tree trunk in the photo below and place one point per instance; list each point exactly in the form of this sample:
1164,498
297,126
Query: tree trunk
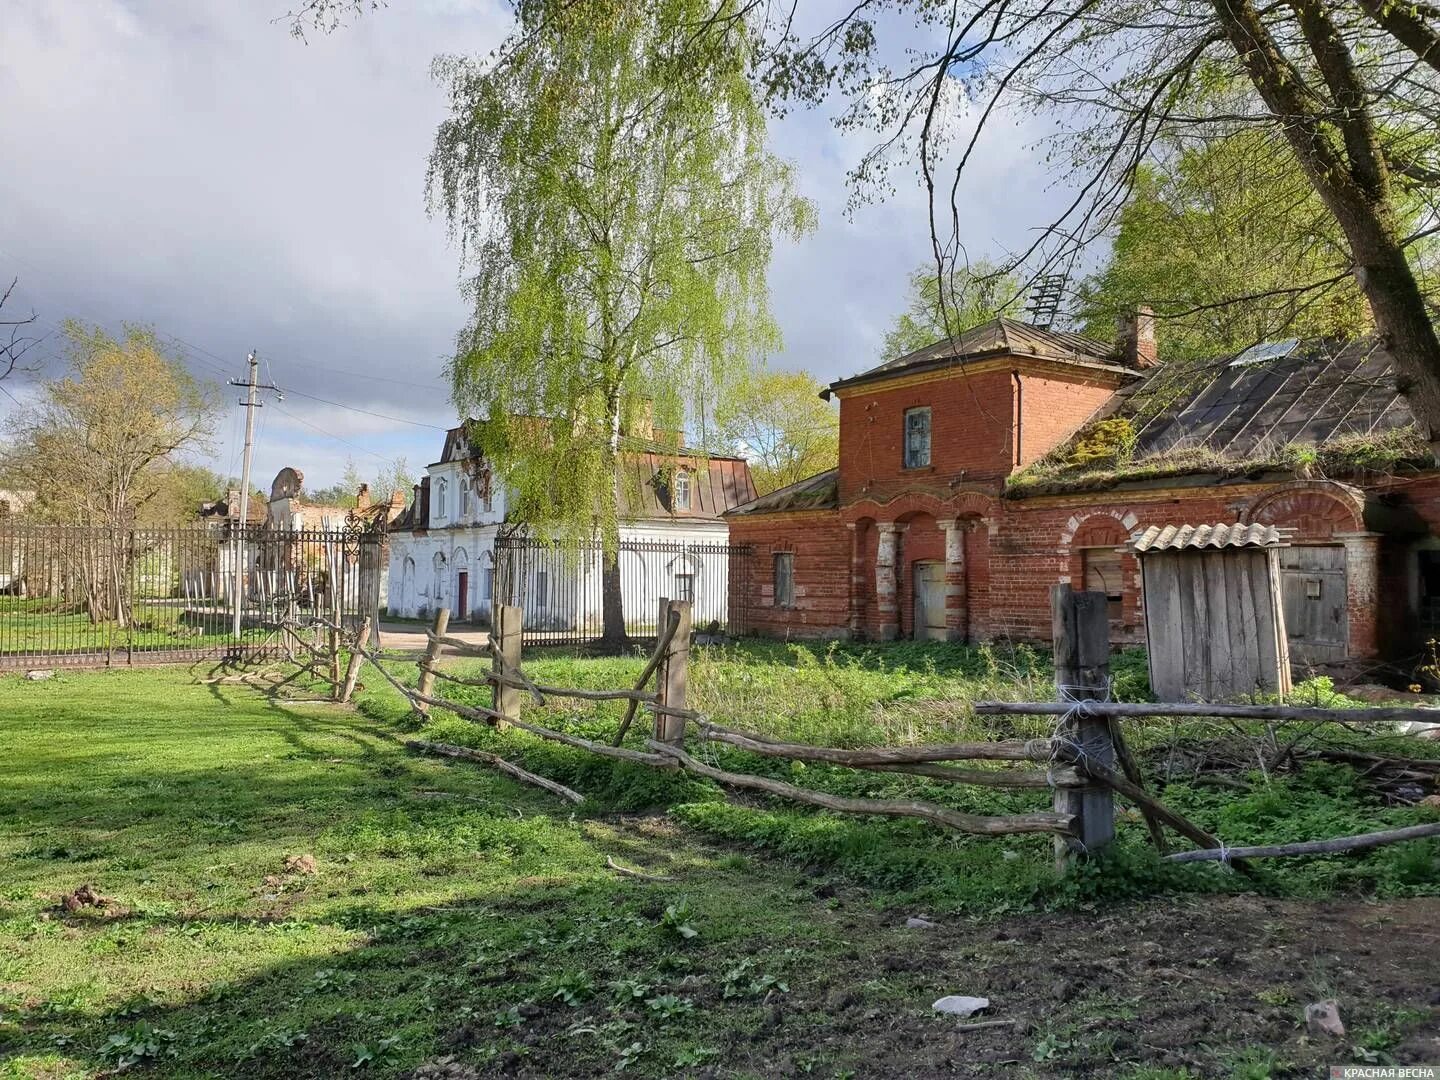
613,638
1353,185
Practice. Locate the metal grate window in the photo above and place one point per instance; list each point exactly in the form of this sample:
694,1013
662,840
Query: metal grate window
917,438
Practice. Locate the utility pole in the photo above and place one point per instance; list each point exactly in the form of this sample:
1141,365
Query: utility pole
250,403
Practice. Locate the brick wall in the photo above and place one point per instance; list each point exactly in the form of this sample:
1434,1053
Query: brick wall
821,546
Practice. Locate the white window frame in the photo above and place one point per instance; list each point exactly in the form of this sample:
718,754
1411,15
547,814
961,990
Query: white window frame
464,497
440,491
683,490
911,450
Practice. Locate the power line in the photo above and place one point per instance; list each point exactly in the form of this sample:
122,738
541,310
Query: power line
366,412
331,434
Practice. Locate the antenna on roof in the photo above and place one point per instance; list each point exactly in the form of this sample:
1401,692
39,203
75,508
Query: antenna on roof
1045,296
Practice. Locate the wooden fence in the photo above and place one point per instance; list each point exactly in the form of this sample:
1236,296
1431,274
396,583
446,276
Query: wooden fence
1085,761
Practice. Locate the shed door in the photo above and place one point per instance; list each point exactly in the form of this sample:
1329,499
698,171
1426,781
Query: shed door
929,601
1313,592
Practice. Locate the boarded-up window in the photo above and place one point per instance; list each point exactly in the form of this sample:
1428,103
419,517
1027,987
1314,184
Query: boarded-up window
1102,574
917,438
784,579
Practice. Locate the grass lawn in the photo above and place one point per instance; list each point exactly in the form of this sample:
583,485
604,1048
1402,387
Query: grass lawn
461,925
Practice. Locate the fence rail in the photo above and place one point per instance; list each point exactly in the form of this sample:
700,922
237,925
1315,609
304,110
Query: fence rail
559,588
88,596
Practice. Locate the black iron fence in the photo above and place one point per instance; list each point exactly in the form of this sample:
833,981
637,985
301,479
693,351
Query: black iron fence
85,595
560,587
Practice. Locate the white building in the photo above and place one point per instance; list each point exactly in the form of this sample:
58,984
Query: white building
442,549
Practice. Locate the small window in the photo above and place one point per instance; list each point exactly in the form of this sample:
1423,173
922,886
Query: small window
542,588
464,498
487,584
1102,574
682,490
440,500
917,438
685,588
784,579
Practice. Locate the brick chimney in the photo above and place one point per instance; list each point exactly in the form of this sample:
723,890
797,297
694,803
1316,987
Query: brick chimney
1135,342
362,497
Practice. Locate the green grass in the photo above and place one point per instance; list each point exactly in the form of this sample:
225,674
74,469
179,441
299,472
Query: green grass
45,626
453,911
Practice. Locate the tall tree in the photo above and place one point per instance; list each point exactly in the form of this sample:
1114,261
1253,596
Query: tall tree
607,177
973,294
16,333
1352,87
779,422
100,444
1215,238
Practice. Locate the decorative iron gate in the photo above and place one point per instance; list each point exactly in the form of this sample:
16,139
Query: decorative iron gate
559,587
87,596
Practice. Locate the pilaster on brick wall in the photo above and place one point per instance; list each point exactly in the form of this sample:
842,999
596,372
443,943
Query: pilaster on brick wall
955,599
886,587
1362,592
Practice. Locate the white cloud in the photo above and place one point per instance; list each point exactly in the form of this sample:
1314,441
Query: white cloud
191,164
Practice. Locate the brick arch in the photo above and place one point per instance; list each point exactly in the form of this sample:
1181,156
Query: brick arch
902,505
1316,509
973,504
1096,529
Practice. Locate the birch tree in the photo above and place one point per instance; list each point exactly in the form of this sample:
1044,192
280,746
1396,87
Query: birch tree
606,176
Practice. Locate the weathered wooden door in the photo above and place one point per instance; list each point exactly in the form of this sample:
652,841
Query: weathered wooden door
929,601
1313,590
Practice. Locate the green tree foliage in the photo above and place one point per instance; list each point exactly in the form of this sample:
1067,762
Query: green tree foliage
389,478
778,420
1231,246
107,442
974,294
607,178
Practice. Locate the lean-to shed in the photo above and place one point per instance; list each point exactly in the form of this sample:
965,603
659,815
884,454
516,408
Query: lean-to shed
1214,622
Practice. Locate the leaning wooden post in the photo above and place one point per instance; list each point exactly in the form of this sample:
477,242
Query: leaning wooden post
1081,626
671,679
432,653
357,657
507,630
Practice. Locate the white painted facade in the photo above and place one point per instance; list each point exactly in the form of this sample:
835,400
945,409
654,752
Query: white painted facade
450,561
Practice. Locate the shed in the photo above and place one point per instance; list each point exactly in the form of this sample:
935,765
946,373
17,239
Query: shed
1214,618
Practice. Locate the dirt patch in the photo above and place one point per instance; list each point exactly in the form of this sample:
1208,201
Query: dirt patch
1210,985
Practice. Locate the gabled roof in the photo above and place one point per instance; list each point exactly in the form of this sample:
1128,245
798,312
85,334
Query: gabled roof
1319,390
998,337
818,492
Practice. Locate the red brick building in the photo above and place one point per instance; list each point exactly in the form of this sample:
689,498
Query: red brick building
939,523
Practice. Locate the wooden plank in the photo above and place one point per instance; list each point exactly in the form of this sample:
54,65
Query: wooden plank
1162,627
1228,671
1240,564
1276,623
1080,624
426,685
357,657
673,686
507,633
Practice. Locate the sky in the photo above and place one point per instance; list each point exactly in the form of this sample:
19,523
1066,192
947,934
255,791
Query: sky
191,165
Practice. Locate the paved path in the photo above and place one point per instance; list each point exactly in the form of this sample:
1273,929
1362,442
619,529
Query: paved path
410,637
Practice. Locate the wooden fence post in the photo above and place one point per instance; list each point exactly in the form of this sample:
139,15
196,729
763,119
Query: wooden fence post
507,632
432,653
1081,627
352,670
671,679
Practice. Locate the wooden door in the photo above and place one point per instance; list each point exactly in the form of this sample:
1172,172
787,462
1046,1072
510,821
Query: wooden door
1313,591
462,595
929,601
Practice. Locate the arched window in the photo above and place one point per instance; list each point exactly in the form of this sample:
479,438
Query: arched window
437,588
682,489
440,500
464,498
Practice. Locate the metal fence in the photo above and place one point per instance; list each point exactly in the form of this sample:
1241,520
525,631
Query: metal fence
86,596
559,587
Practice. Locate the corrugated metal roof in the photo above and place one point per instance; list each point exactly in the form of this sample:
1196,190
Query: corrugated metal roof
1178,537
1321,390
997,337
818,492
